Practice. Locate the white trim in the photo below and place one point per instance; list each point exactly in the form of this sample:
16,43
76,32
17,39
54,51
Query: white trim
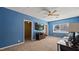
48,28
24,29
11,45
28,20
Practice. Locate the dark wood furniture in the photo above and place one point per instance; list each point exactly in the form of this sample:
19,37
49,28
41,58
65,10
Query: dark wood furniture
40,35
61,46
67,48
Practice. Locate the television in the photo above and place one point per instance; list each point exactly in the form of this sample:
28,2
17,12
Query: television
39,27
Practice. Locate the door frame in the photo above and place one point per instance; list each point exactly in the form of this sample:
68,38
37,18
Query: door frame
47,29
24,29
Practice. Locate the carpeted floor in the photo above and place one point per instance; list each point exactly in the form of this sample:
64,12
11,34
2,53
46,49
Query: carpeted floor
47,44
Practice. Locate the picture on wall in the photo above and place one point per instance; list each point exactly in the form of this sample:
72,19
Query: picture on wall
61,28
39,27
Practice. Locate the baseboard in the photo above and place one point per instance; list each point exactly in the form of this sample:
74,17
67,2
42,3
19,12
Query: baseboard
11,45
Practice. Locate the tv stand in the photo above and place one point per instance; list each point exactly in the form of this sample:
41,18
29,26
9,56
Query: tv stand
40,35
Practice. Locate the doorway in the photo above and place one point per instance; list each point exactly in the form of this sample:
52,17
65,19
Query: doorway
46,30
28,30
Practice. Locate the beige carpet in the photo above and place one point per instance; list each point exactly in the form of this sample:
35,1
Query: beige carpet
47,44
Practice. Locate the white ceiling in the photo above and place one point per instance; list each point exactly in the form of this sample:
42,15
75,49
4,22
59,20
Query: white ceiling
38,12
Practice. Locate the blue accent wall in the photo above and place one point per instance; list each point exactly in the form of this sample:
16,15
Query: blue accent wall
11,26
68,20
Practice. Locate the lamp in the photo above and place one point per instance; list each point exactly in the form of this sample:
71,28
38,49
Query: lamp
73,27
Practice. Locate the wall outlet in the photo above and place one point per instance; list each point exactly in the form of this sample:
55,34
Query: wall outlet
18,40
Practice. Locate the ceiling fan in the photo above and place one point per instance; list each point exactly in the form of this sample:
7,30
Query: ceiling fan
50,12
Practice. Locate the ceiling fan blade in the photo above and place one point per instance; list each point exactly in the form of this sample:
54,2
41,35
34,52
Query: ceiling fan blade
54,11
55,14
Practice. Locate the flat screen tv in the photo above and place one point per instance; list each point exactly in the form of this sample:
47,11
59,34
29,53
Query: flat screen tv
39,27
